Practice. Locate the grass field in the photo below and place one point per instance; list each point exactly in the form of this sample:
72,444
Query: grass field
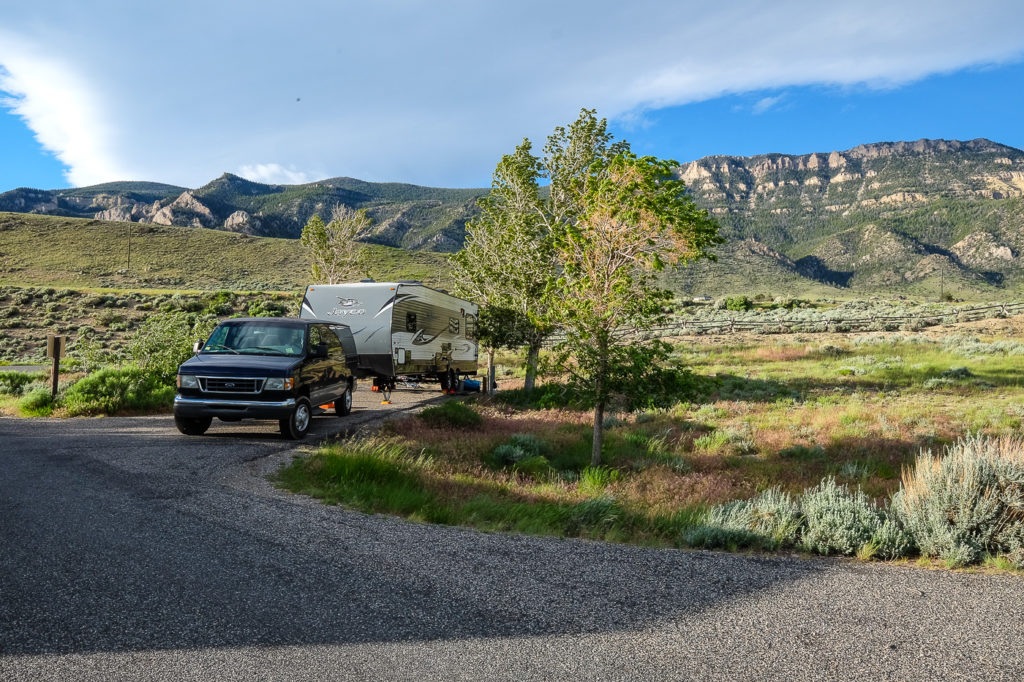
780,413
80,253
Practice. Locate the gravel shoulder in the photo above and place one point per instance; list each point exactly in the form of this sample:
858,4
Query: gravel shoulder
131,552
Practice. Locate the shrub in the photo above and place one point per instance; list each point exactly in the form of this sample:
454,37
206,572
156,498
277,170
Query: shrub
599,512
968,501
37,402
770,520
165,341
518,448
264,308
957,373
536,466
12,383
738,303
507,454
114,390
530,443
840,521
452,415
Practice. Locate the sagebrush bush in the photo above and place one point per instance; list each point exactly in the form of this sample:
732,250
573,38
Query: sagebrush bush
12,383
967,502
530,443
770,520
838,520
451,415
518,448
508,454
114,390
599,512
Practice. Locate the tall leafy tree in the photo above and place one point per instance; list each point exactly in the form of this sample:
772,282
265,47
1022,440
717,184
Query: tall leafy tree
333,247
509,259
633,217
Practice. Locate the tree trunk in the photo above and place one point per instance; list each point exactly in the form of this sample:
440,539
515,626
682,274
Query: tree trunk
488,385
532,358
595,452
599,399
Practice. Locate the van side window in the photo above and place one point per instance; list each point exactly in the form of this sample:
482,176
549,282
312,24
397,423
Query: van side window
333,343
410,322
453,325
315,337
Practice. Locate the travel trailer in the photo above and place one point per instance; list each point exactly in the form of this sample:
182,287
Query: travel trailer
401,329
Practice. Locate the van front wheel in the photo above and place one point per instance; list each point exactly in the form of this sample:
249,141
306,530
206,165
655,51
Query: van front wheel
296,425
193,426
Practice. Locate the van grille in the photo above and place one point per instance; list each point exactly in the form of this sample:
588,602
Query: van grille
231,384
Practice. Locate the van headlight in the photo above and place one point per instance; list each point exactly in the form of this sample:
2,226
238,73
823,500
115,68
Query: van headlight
188,381
279,384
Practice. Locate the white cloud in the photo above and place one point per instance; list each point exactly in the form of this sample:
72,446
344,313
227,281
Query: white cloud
428,92
766,103
62,110
274,174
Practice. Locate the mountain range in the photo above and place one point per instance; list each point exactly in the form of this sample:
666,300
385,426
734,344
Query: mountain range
905,215
405,216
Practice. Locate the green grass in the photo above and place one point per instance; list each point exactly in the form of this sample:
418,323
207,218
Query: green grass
380,476
78,252
766,416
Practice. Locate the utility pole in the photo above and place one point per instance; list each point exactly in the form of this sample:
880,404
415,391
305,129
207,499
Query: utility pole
128,268
942,282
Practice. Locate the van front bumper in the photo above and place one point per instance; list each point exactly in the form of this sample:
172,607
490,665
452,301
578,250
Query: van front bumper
232,409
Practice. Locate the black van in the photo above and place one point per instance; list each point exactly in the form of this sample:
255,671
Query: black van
267,368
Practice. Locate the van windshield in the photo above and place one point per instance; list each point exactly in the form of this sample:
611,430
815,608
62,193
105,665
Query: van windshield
256,339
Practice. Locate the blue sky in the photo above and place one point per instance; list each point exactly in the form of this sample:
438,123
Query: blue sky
433,93
967,104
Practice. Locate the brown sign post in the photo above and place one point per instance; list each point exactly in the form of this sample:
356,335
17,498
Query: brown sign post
55,346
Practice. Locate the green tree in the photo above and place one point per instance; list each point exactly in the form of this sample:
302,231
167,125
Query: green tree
333,247
633,217
499,327
164,341
509,259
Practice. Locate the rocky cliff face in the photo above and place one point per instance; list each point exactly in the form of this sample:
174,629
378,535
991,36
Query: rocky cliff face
877,213
871,175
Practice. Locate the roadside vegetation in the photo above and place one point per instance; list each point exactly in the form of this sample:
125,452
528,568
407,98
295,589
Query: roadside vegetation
877,446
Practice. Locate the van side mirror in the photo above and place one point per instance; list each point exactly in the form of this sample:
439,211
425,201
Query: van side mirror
198,345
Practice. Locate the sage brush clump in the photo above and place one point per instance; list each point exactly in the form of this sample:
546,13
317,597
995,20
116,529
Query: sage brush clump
826,519
12,383
838,520
967,502
770,520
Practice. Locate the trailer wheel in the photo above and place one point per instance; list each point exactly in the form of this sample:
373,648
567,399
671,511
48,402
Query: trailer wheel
343,403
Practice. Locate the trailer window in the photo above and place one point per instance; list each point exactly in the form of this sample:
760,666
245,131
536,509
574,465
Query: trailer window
470,327
410,322
453,325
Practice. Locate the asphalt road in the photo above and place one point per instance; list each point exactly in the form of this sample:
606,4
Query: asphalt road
131,552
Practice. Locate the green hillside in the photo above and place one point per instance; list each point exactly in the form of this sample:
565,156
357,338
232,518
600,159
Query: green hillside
74,252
